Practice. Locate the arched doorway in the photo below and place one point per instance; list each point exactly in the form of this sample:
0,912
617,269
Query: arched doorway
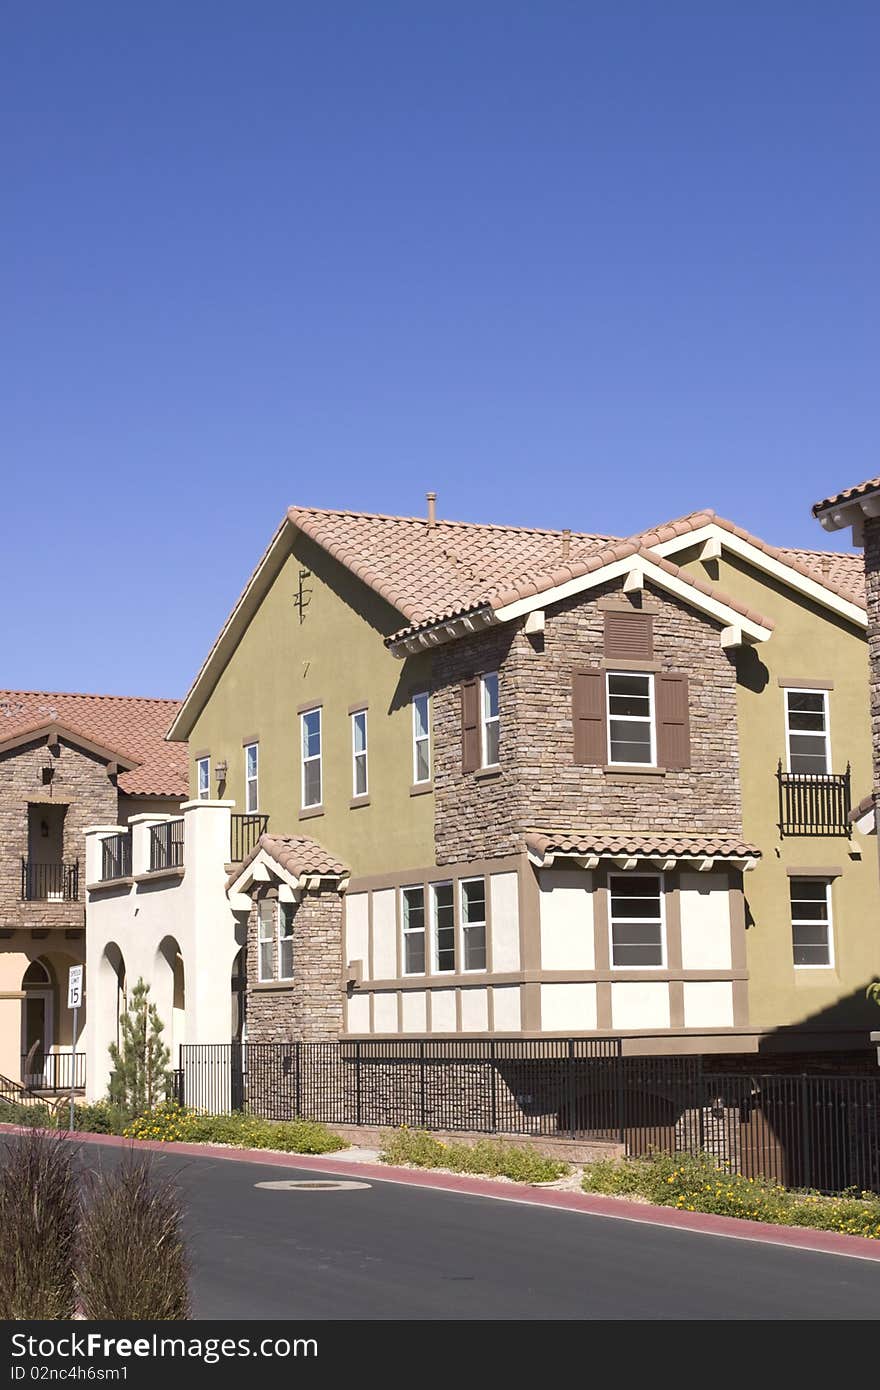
37,1022
239,996
169,995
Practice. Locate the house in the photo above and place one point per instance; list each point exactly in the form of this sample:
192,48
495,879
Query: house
475,781
66,762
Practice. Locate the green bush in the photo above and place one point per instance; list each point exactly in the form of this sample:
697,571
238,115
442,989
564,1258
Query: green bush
494,1157
104,1117
174,1122
699,1183
34,1116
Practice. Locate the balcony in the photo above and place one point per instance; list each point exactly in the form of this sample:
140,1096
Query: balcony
244,833
54,1071
814,803
51,883
166,845
116,857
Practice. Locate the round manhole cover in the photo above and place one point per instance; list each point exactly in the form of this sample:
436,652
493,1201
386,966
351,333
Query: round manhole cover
308,1186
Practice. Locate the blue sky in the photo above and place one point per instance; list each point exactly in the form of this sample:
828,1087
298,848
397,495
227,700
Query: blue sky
570,264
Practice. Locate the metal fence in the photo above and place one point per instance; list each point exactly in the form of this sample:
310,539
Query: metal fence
814,803
166,844
54,1071
804,1131
244,832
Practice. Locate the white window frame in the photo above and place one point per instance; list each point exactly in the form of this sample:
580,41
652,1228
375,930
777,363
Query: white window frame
262,940
464,926
283,914
801,690
406,931
632,718
486,720
829,923
356,795
314,757
418,738
435,941
206,794
660,877
254,781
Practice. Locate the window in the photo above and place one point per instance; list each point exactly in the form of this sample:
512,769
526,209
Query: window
285,941
251,775
473,923
489,721
359,753
311,757
630,718
421,710
413,912
443,913
806,725
811,921
203,775
266,938
636,920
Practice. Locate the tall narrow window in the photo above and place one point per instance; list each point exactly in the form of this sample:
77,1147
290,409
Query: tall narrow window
806,723
473,923
359,753
251,777
490,724
311,757
811,921
636,920
266,938
421,710
203,775
285,941
443,913
630,718
413,914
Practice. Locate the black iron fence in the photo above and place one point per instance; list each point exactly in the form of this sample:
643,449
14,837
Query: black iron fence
116,856
810,1131
814,803
54,1071
166,844
49,882
244,832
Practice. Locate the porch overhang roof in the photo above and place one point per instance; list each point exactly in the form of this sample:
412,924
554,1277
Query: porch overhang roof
628,851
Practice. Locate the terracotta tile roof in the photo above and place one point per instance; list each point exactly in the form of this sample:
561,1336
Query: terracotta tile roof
296,854
131,726
849,494
669,846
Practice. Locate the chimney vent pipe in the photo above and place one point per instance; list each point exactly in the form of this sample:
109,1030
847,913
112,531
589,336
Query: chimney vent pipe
432,510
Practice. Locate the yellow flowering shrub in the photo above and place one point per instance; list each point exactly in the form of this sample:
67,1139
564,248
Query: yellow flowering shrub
171,1122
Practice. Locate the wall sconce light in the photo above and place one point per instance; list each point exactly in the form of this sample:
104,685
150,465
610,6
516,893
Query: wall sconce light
44,829
47,773
220,772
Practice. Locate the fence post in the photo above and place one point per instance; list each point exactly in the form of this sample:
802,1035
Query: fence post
423,1112
621,1117
298,1079
806,1153
570,1088
357,1082
493,1115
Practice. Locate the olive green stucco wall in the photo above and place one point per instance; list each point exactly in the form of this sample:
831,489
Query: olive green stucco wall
334,657
809,643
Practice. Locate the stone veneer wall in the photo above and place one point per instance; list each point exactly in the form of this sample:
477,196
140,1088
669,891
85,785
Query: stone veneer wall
540,785
872,587
81,784
309,1007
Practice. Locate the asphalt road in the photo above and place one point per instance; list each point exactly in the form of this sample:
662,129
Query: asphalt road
390,1251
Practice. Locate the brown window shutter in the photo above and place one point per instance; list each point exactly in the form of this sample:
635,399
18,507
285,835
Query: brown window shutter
629,636
673,720
588,716
470,725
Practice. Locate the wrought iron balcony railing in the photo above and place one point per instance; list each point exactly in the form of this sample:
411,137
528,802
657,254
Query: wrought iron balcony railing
166,844
116,856
244,832
49,882
814,803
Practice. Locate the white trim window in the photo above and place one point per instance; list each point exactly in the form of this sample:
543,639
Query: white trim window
359,753
807,737
473,923
631,735
310,724
490,720
284,932
412,916
637,921
811,928
251,777
443,927
421,736
203,779
266,939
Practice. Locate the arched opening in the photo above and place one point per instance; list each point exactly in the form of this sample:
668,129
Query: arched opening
239,996
37,1023
170,995
114,991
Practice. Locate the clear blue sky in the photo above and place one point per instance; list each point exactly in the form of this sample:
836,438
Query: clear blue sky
584,264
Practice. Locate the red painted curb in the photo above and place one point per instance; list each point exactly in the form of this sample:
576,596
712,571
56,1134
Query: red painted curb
618,1208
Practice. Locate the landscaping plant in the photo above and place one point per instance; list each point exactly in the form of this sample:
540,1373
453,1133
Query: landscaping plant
494,1157
132,1261
39,1209
174,1122
140,1078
